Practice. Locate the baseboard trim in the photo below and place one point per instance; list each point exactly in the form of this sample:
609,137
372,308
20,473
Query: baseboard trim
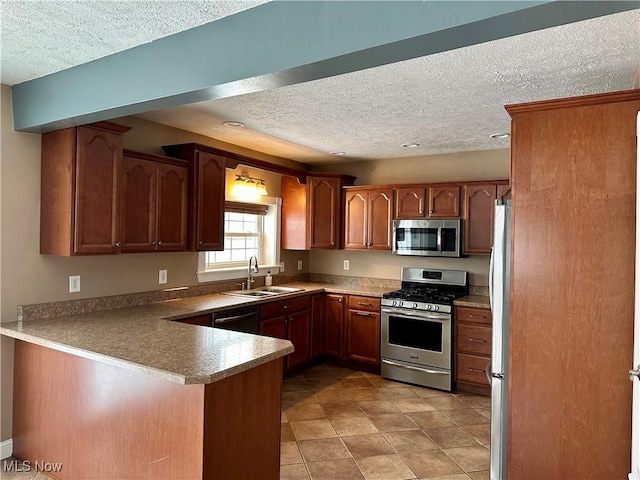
6,448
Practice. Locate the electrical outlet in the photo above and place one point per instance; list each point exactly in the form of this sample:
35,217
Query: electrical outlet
74,283
281,267
346,264
299,264
162,276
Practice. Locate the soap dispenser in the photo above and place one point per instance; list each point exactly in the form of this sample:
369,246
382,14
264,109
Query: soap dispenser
268,280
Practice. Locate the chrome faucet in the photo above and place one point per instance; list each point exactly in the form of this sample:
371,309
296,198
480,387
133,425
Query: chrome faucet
250,279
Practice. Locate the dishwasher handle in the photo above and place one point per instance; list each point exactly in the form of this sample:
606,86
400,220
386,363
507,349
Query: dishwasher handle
234,318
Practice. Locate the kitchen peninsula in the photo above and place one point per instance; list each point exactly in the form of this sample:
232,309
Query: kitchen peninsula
125,393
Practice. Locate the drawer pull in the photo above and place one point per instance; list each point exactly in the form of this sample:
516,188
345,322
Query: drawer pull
363,314
476,370
477,340
477,316
287,306
366,304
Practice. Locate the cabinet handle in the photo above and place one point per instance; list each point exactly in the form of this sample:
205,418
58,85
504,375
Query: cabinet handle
287,306
477,316
159,242
476,370
363,314
478,340
117,244
430,212
200,242
364,303
154,243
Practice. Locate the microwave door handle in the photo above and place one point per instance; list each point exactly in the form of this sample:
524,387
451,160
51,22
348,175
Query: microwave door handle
439,239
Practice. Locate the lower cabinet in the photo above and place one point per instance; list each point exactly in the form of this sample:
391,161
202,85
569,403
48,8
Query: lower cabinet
362,330
333,322
317,320
473,349
289,319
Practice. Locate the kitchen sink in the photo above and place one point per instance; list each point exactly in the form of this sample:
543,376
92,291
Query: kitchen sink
262,292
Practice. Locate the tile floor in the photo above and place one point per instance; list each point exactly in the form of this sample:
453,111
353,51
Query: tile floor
340,424
344,424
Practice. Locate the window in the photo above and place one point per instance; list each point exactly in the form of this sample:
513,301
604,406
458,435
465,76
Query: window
249,229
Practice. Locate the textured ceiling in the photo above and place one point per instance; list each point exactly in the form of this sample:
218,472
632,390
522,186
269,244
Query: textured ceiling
40,37
446,102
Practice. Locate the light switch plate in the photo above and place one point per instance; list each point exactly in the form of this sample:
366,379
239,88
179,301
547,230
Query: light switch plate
74,283
281,267
346,264
162,276
299,264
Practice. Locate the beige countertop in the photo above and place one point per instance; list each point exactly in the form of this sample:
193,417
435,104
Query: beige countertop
477,301
140,338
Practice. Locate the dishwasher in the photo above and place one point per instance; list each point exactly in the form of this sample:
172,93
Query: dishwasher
238,320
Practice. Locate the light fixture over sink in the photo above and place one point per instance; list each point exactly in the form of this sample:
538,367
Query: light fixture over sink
248,187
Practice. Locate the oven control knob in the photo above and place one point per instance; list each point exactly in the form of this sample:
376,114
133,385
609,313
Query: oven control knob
428,307
415,305
436,308
395,304
400,304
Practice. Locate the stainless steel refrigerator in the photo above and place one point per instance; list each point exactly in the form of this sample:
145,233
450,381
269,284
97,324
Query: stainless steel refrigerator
499,279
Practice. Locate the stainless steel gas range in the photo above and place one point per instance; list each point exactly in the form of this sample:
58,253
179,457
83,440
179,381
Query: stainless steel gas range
417,327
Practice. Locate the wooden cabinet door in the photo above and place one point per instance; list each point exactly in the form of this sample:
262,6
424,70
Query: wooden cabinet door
323,207
299,325
274,327
171,208
444,202
98,164
138,205
355,219
380,215
334,314
410,202
317,313
504,192
479,201
210,201
362,337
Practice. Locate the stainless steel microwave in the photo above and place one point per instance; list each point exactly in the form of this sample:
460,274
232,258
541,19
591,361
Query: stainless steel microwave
427,238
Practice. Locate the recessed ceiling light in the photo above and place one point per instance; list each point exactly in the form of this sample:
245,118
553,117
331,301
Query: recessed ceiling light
336,153
410,145
500,135
233,124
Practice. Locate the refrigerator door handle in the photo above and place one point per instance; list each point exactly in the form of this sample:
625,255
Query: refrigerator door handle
487,372
491,268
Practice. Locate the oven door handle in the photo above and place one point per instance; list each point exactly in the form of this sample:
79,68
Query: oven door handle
412,316
425,370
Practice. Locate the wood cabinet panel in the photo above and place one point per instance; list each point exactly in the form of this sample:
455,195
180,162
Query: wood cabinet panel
324,201
299,332
80,190
480,316
172,208
444,202
471,369
204,320
334,319
285,306
367,304
274,327
479,201
368,219
572,301
362,332
504,192
210,201
474,339
410,202
317,314
355,219
138,205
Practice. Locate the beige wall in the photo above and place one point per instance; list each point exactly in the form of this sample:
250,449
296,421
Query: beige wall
28,277
483,165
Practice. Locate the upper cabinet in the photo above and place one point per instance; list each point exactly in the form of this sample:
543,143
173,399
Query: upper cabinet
444,202
312,213
154,203
423,201
80,190
368,215
206,205
479,201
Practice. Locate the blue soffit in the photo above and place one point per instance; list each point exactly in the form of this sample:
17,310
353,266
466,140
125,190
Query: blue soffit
277,44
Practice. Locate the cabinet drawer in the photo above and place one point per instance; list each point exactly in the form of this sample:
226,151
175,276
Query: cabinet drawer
481,316
472,369
282,307
474,339
368,304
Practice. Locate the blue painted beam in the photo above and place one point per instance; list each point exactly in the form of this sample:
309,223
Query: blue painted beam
277,44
